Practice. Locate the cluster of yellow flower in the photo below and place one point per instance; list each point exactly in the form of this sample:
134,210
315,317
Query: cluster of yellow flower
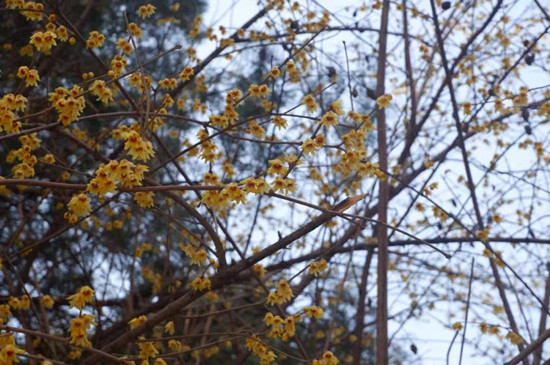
9,105
168,83
197,256
255,129
146,11
43,41
69,103
281,328
282,295
124,46
260,91
293,72
316,267
152,277
33,10
30,75
522,98
310,146
135,30
313,312
232,98
255,345
118,63
79,330
219,121
140,81
255,185
95,39
79,326
186,74
138,147
147,349
126,173
195,29
25,168
199,284
327,359
100,89
23,303
284,186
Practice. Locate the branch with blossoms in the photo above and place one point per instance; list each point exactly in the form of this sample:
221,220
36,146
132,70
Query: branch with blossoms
174,189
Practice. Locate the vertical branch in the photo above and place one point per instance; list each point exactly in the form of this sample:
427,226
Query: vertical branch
467,311
411,125
381,229
542,322
360,317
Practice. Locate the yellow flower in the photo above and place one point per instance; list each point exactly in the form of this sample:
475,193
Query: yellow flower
4,312
329,358
99,88
147,349
457,326
310,102
514,338
43,42
169,328
144,198
9,353
137,147
145,11
255,129
78,330
135,30
275,72
309,146
31,5
199,284
258,90
137,321
95,39
284,290
22,72
47,301
14,302
316,267
280,122
277,167
186,74
32,78
24,302
314,311
79,205
83,296
124,46
467,106
384,101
